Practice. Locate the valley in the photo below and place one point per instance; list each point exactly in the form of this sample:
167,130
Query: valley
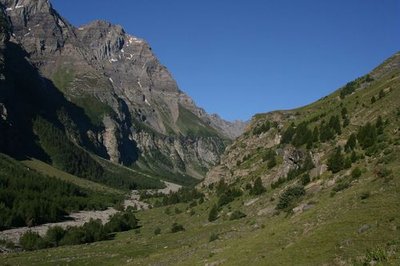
104,160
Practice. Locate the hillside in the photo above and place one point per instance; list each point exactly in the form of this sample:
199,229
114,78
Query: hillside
317,185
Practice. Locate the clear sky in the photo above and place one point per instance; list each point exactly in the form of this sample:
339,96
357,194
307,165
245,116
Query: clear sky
242,57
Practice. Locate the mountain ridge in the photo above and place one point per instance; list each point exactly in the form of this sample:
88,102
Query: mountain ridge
133,103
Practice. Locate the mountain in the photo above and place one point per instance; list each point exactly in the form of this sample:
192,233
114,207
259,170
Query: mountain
108,92
317,185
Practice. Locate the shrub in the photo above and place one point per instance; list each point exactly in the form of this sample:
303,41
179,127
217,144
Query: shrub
120,222
54,235
258,187
356,173
237,215
213,237
157,231
32,241
289,196
177,228
341,185
213,214
305,179
336,161
364,195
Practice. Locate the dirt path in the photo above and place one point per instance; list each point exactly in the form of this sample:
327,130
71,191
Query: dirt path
79,218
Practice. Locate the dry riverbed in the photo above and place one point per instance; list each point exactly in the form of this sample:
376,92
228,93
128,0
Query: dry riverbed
79,218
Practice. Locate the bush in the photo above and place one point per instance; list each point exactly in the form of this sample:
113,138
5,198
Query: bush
356,173
54,235
336,161
341,185
32,241
236,215
289,196
258,187
157,231
213,237
213,214
364,195
120,222
305,179
177,228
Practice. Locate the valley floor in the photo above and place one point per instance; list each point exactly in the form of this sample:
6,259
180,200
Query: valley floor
82,217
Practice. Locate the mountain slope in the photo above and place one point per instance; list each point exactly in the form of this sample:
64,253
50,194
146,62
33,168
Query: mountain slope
123,105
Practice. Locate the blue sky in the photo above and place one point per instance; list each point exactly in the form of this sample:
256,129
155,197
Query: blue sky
238,58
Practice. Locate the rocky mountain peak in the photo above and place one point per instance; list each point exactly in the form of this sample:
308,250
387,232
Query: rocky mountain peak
37,26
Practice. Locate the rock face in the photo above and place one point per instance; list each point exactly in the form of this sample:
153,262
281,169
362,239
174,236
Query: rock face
136,114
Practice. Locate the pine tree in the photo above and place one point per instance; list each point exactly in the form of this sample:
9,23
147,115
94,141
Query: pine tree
379,125
258,187
213,214
351,143
336,161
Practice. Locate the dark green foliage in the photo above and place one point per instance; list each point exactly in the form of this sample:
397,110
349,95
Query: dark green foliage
341,185
353,157
177,228
334,123
346,122
347,162
29,198
90,232
373,100
315,134
379,125
326,132
302,135
336,161
344,112
348,89
157,231
64,154
236,215
213,214
122,221
184,195
32,241
213,237
367,136
305,179
351,143
257,188
382,171
289,197
271,163
277,183
264,127
365,195
288,134
54,235
356,173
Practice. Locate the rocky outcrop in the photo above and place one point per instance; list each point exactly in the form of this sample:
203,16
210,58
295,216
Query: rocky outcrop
134,107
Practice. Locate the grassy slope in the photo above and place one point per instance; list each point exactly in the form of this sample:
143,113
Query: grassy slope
327,233
330,233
